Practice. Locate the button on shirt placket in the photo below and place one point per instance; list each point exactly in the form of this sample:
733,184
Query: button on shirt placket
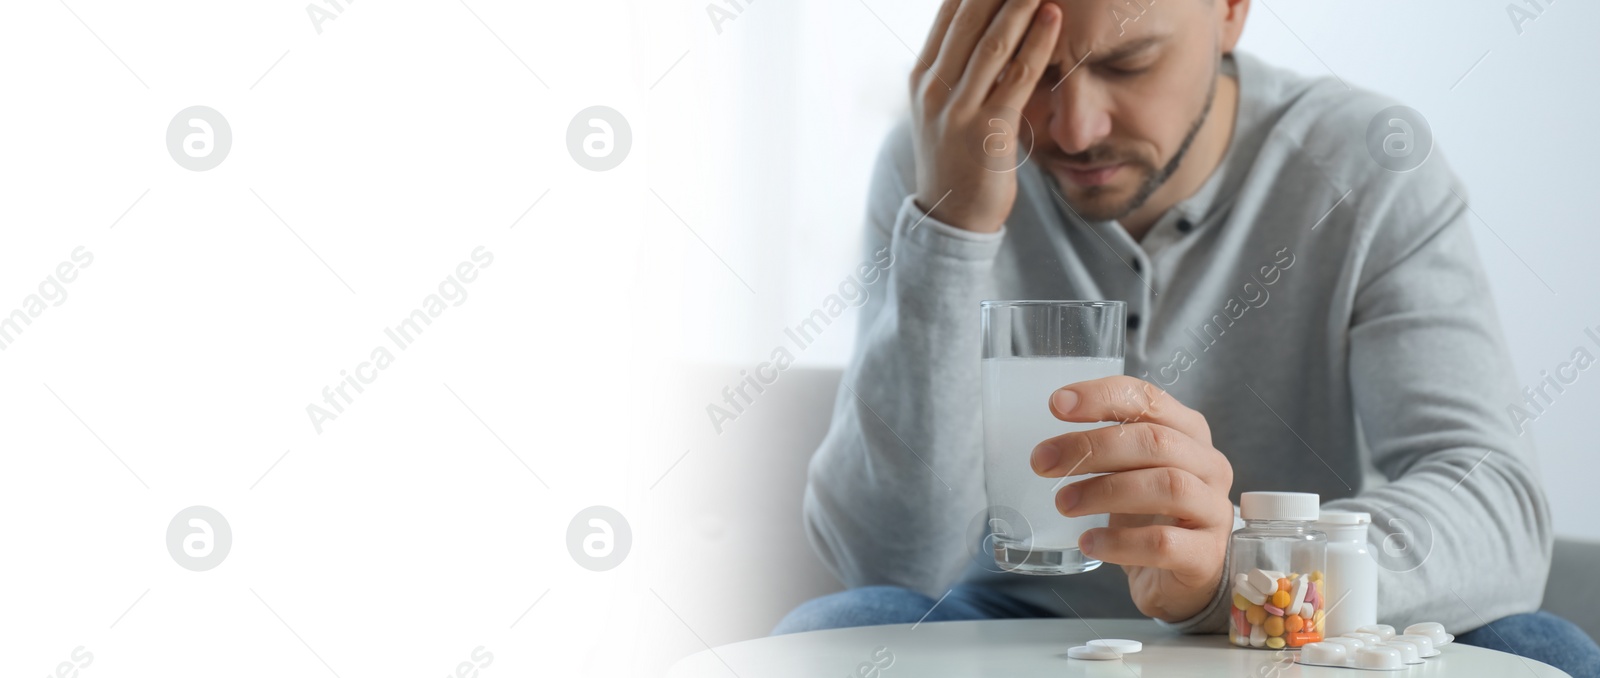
1136,285
1141,257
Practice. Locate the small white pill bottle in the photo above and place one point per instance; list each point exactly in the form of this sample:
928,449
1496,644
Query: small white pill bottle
1352,574
1275,580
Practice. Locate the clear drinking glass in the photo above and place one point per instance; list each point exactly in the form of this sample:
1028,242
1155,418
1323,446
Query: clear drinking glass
1030,349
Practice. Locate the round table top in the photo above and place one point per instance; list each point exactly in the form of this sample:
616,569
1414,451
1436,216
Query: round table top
1038,647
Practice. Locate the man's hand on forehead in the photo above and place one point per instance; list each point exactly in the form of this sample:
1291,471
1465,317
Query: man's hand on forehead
980,65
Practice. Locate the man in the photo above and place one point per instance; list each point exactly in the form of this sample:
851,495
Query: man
1300,318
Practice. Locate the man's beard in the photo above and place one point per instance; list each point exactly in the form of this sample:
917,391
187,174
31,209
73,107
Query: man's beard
1153,178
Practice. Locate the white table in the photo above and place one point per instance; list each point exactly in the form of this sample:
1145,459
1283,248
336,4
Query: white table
1030,647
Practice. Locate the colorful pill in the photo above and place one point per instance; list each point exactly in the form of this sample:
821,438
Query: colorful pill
1274,626
1300,639
1276,609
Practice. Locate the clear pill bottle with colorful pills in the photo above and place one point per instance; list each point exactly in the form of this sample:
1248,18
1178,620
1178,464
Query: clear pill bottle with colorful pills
1275,579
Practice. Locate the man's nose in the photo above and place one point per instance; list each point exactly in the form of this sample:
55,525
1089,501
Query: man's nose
1080,115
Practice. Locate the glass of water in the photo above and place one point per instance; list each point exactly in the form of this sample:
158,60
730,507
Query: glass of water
1030,349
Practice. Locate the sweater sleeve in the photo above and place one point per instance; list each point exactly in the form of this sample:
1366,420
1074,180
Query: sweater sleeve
899,477
1462,533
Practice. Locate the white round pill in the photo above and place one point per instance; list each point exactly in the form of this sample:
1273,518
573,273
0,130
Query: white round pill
1433,630
1327,654
1118,645
1378,658
1368,638
1424,645
1352,643
1383,631
1097,653
1408,651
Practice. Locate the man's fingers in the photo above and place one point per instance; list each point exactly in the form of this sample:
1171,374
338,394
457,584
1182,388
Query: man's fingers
996,48
1127,399
1164,547
1127,447
1022,74
1166,491
971,20
930,48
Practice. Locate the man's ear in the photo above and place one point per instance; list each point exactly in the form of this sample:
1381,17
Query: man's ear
1232,13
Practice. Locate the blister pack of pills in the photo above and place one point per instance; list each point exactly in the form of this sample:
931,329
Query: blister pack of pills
1378,647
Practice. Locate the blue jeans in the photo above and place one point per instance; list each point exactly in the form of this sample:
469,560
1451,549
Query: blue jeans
1537,635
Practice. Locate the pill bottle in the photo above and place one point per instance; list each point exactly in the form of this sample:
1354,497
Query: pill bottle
1352,574
1275,580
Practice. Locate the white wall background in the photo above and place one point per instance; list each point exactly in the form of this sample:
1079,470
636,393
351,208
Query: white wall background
405,134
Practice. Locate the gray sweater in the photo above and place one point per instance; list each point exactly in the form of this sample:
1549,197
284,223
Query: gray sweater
1330,318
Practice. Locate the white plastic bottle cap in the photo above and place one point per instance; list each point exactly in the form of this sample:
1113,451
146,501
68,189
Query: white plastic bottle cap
1344,518
1279,506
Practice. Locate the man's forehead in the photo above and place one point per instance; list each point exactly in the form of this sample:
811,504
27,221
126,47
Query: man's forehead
1113,27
